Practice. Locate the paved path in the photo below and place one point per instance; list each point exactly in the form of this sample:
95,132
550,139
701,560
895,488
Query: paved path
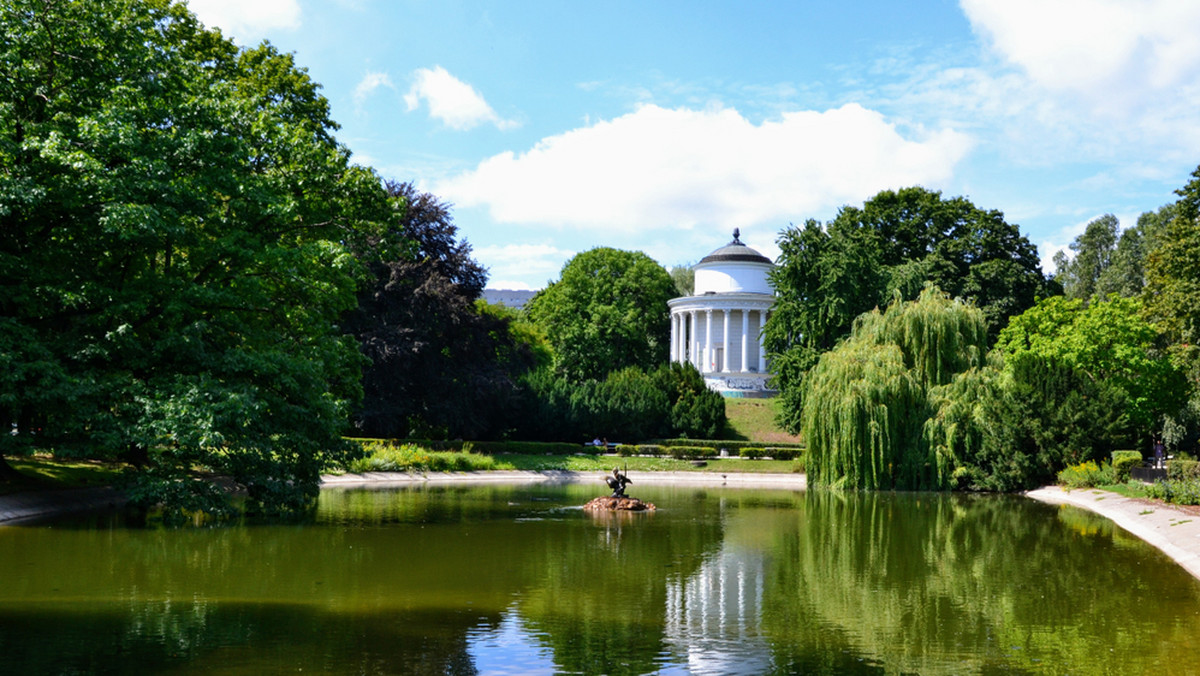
20,507
1175,531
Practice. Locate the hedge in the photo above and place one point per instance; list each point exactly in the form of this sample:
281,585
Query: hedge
731,446
1123,461
1180,470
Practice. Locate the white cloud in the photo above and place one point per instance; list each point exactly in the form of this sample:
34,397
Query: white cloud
657,169
247,20
368,85
1099,48
452,101
521,261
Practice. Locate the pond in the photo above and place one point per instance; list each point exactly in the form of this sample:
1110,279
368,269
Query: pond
517,579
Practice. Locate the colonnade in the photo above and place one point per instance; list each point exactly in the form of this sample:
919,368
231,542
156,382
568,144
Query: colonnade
692,339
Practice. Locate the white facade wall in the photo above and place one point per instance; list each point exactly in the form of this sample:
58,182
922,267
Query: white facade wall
731,277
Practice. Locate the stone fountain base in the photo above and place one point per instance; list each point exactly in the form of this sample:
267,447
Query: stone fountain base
608,503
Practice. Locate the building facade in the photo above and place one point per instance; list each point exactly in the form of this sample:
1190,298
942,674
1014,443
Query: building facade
718,329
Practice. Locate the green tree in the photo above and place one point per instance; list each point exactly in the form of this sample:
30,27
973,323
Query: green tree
607,311
1094,253
866,401
439,366
894,245
1106,341
684,277
174,222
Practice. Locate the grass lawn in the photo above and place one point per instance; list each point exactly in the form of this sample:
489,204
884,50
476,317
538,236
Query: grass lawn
41,473
754,420
605,463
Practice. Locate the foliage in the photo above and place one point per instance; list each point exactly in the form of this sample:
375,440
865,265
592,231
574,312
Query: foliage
1123,461
413,458
1087,475
441,365
895,244
607,311
1177,491
751,452
1172,275
867,400
1183,469
1108,342
175,224
628,406
684,277
1094,249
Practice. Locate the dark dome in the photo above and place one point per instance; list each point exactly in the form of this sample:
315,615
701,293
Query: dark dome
735,251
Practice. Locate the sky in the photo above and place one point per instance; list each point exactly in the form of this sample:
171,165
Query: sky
555,127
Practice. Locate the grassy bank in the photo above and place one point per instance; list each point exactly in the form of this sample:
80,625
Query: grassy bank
42,472
754,420
384,457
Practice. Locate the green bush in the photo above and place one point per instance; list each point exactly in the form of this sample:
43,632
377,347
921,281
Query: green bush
1123,461
627,450
385,457
780,453
753,453
731,445
1177,491
1086,475
650,449
1179,470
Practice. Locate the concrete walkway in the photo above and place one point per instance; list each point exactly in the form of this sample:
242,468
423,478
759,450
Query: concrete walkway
1174,530
21,507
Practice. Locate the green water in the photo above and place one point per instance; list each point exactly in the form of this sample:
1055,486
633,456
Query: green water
518,579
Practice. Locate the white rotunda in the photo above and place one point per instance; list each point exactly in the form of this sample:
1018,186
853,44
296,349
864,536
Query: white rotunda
719,328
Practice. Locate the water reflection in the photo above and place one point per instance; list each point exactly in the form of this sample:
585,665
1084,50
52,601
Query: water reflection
517,579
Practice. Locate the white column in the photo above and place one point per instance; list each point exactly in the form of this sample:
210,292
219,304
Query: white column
674,345
745,339
762,353
707,340
725,337
694,343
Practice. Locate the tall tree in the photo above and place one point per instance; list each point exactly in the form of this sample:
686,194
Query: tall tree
174,215
866,401
891,247
607,311
1094,251
439,366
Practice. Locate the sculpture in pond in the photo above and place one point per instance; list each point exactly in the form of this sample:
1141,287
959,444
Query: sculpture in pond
617,483
618,501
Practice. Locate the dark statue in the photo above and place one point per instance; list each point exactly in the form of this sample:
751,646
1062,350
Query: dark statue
617,483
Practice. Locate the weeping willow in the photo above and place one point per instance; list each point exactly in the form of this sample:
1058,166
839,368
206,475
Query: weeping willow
867,400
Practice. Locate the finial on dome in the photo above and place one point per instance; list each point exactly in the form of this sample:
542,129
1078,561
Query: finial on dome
737,233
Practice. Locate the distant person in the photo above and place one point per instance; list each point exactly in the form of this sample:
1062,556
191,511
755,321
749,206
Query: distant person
596,441
1158,453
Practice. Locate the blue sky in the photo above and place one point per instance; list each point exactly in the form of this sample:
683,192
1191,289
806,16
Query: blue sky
556,127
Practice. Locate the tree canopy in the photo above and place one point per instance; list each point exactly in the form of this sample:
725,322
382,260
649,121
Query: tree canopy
441,365
175,216
606,312
891,247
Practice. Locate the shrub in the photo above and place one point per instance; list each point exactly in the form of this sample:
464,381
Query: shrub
650,449
1086,475
383,457
1178,470
627,450
777,453
753,453
1123,461
1177,491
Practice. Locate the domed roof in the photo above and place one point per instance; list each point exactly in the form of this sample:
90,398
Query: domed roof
735,251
